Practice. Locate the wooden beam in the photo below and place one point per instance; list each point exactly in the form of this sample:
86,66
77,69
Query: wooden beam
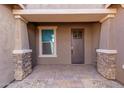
64,11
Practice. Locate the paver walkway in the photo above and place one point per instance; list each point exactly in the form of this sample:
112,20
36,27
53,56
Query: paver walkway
65,76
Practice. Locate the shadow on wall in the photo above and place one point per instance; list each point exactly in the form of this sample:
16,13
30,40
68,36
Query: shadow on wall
32,41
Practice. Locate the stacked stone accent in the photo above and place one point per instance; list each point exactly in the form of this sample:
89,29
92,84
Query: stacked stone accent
23,65
106,64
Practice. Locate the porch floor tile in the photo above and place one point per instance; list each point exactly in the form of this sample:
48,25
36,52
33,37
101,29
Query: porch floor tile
65,76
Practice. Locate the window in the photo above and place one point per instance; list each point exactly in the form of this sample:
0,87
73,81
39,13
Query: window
47,41
77,34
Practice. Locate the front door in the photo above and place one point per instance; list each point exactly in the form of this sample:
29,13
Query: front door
77,46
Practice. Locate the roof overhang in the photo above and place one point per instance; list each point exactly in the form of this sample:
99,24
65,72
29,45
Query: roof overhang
64,15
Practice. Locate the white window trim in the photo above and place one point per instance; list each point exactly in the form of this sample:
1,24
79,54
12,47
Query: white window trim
40,44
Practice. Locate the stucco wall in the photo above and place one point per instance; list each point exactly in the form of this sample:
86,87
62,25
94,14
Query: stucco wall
118,29
112,37
21,35
64,6
7,29
91,35
32,42
105,35
96,27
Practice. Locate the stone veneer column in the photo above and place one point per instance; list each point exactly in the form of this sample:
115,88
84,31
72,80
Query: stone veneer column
106,55
23,65
22,53
106,63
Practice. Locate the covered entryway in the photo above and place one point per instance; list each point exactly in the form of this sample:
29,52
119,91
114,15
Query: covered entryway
87,19
76,47
65,76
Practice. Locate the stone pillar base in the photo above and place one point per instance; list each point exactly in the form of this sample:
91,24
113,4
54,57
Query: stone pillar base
106,63
23,64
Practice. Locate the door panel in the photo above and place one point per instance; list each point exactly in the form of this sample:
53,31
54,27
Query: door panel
77,46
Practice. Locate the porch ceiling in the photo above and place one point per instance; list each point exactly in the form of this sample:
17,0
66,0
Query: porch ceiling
64,15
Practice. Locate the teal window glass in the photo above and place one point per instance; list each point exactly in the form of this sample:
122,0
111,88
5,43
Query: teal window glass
47,41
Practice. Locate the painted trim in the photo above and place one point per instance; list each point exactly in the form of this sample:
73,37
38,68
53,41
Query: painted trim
21,51
47,27
64,11
47,56
40,44
107,17
20,17
106,51
122,5
22,6
107,5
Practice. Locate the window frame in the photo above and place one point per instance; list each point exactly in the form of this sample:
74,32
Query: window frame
40,41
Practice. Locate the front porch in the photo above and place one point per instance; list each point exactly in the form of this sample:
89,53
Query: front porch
65,76
51,43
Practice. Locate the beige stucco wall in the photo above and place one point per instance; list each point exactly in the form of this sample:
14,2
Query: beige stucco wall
21,35
7,29
32,41
96,27
104,35
64,6
118,29
107,35
112,37
64,42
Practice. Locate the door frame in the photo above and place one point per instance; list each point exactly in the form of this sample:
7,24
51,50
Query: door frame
83,37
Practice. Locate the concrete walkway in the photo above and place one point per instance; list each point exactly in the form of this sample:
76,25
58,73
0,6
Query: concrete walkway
65,76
